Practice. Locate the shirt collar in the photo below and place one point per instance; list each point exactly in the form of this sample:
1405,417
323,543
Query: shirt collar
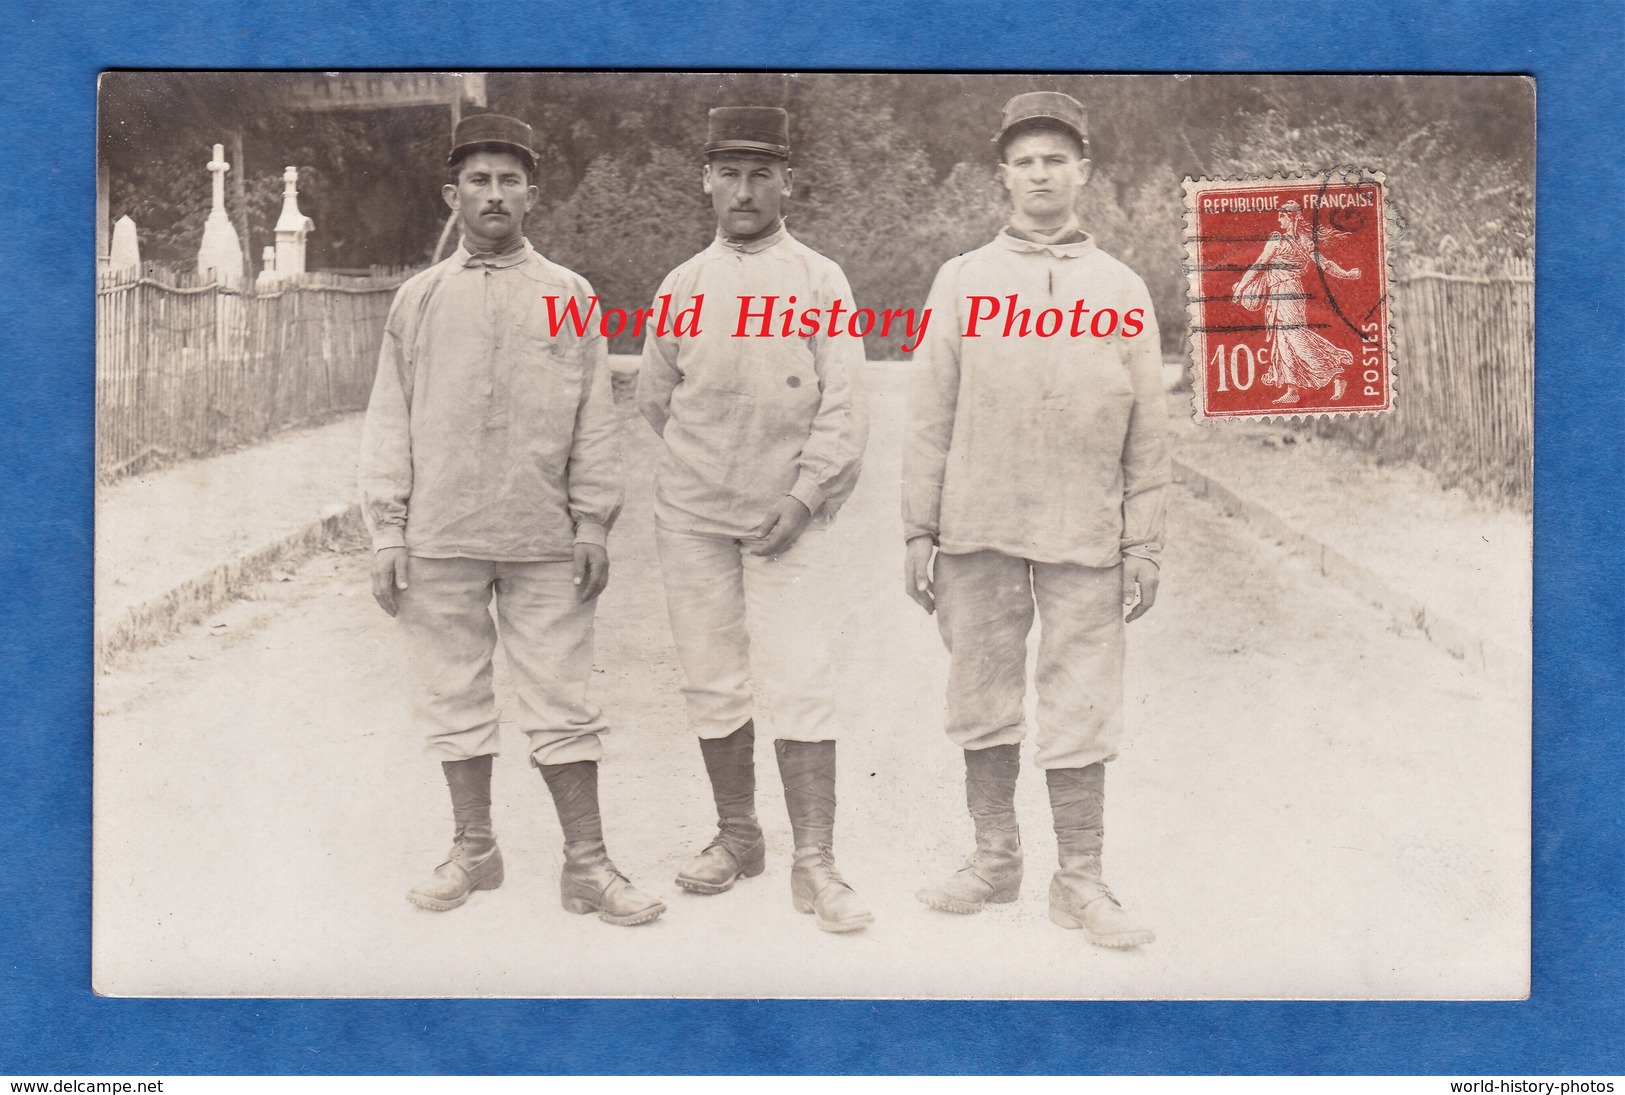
502,261
761,243
1069,243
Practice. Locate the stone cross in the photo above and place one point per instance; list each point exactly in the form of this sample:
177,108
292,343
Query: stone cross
218,167
221,251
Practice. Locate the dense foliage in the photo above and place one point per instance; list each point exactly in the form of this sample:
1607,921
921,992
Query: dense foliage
894,173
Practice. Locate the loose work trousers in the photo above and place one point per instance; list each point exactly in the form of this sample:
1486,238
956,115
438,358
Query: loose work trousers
546,633
985,606
738,618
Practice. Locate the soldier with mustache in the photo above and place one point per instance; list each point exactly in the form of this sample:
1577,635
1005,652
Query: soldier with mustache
491,476
762,440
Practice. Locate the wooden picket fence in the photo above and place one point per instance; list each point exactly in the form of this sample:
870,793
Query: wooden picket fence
188,368
1464,382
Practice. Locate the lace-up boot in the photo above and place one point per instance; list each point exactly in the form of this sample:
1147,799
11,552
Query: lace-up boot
737,850
1078,896
474,862
808,771
993,871
590,882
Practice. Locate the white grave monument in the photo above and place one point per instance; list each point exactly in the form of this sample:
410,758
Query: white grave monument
125,254
267,266
220,250
292,228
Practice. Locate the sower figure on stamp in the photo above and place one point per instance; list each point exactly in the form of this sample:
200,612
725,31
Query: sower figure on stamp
491,473
1033,472
1275,282
762,442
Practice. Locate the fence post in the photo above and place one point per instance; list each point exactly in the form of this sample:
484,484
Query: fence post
184,369
1464,386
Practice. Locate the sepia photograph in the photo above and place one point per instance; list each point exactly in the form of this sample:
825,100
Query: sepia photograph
654,534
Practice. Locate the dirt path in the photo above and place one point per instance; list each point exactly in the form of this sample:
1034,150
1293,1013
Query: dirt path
1309,802
1468,559
154,532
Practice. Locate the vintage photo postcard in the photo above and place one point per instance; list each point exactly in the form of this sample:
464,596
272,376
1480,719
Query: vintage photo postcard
784,535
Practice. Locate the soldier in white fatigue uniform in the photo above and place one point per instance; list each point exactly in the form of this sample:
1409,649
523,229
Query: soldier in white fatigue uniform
762,442
491,474
1034,474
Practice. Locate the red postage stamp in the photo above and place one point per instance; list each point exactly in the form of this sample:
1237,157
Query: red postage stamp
1287,282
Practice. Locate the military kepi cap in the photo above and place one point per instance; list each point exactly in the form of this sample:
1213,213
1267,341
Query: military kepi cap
493,133
749,129
1049,107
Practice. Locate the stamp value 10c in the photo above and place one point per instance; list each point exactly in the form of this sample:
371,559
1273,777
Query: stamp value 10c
1287,286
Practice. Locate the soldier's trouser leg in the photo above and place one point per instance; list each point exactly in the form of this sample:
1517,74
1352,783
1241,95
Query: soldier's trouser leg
738,617
984,612
705,600
791,614
1080,663
985,609
735,618
445,614
704,577
1080,723
547,634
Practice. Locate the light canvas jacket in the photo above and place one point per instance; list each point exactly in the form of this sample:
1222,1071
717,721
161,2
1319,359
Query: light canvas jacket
487,436
748,420
1050,449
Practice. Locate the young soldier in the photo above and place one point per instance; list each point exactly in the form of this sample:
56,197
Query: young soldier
491,471
763,437
1034,472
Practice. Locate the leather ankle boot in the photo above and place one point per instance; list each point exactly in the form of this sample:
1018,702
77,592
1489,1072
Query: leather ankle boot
475,862
993,871
1078,896
808,771
737,850
817,887
590,881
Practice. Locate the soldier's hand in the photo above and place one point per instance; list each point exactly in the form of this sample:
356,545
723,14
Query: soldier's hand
591,571
388,576
917,573
782,527
1139,586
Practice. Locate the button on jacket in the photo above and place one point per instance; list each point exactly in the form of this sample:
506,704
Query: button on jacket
487,436
1050,449
747,420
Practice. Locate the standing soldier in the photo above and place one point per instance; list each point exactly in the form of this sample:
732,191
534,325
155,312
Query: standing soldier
1034,472
491,472
763,437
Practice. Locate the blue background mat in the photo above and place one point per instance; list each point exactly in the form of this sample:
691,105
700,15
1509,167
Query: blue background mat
52,1024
